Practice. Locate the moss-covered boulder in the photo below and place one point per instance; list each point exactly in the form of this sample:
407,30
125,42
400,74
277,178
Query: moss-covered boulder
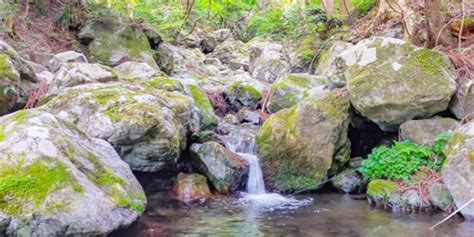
458,169
245,91
226,170
191,187
326,64
110,41
380,191
425,131
205,110
148,129
293,88
17,77
57,181
73,74
391,81
268,61
300,145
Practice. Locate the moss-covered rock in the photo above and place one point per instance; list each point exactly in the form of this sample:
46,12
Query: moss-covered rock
380,191
425,131
293,88
57,181
300,145
110,41
147,128
135,70
191,187
391,81
268,61
326,64
245,92
462,104
205,110
19,63
73,74
226,170
458,169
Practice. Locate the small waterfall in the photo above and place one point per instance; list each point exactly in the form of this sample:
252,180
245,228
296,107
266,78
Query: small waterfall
255,184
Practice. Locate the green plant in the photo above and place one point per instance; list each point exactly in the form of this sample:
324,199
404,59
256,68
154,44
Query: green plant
364,6
401,160
438,150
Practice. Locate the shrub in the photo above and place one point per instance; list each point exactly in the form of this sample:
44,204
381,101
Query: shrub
364,6
403,159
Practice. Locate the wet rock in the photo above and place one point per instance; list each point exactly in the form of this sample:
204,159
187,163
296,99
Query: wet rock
462,104
248,116
111,41
214,38
386,78
147,128
458,170
293,88
380,191
425,131
440,196
60,182
349,181
245,92
135,70
300,145
191,187
73,74
60,59
205,110
268,61
226,170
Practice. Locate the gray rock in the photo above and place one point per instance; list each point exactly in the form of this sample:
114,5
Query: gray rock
37,68
349,181
111,41
462,104
226,170
41,58
458,170
73,74
425,131
326,65
153,37
19,63
268,61
391,81
216,37
248,116
440,197
135,70
245,91
60,59
233,53
60,182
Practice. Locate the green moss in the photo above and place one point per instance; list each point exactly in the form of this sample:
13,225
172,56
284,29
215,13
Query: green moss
381,189
2,134
20,117
454,145
6,69
206,112
25,186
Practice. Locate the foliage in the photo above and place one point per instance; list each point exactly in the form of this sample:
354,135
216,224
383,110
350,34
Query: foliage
364,6
403,159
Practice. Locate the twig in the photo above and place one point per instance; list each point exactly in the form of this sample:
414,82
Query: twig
452,214
462,24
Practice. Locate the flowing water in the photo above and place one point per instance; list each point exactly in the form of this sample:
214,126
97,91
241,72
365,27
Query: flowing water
258,213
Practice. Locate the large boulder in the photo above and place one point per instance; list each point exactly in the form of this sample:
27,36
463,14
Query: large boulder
301,145
292,88
17,77
226,170
181,62
57,181
425,131
110,41
268,61
326,65
391,81
458,169
147,128
462,104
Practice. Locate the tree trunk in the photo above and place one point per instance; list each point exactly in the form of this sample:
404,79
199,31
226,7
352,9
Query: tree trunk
437,25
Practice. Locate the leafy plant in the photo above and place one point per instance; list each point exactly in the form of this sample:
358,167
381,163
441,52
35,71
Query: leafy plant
404,159
364,6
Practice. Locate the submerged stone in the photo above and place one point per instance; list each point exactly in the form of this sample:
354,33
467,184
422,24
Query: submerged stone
191,187
349,181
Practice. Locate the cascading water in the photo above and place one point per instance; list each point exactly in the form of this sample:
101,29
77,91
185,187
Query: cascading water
244,146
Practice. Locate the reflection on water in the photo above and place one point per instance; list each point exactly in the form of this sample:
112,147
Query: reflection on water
304,215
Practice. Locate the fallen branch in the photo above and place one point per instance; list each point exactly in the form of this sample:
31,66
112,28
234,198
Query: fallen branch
452,214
